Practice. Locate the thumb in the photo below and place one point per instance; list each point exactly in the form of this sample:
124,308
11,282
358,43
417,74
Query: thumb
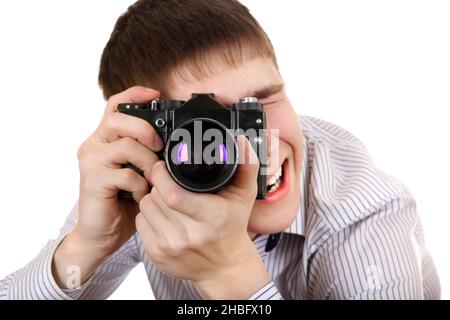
245,180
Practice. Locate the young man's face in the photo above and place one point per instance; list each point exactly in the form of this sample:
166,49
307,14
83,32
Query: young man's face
259,77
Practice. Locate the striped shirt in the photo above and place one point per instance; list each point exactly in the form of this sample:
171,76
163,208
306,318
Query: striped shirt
357,235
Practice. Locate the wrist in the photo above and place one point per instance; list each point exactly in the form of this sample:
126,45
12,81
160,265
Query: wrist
76,244
237,280
80,241
76,256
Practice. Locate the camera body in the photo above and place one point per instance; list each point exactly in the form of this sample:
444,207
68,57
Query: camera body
198,115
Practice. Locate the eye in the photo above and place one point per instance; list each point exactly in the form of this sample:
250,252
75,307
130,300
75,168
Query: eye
274,99
271,102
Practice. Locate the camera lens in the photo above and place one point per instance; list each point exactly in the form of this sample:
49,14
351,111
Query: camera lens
200,173
201,155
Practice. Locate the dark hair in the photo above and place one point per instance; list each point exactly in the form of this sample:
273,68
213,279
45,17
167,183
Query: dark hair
153,38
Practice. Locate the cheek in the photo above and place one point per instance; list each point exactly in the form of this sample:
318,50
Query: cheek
285,120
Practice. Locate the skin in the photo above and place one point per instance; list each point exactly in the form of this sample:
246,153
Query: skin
211,245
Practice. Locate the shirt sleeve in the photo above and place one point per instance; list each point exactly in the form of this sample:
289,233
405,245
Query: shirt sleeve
268,292
35,281
380,257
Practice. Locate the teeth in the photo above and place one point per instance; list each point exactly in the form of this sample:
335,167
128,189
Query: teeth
272,181
275,181
279,172
274,187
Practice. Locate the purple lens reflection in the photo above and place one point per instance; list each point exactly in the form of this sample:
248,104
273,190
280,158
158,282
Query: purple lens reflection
223,153
182,153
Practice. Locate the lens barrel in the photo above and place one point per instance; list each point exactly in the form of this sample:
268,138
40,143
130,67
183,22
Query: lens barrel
201,155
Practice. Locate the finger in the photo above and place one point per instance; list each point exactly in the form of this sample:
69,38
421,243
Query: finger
125,179
176,217
136,94
175,197
118,125
143,228
245,180
146,233
155,216
127,150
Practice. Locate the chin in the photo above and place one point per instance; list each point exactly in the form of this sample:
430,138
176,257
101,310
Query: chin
279,210
267,220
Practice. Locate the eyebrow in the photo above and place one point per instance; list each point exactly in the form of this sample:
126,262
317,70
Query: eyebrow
267,91
259,94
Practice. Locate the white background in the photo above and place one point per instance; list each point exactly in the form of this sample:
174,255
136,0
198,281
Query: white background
380,69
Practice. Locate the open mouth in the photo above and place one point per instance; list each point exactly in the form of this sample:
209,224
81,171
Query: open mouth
274,182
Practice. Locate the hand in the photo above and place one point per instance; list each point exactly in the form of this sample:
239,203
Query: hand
105,222
203,237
